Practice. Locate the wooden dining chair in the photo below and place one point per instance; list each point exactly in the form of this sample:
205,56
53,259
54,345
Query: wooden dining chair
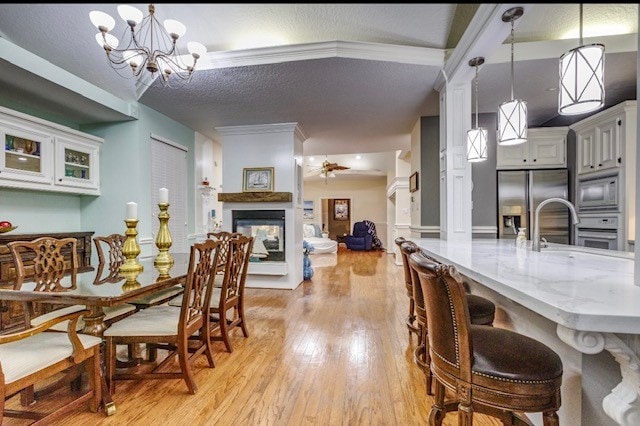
43,261
227,302
34,355
224,237
113,244
489,370
170,327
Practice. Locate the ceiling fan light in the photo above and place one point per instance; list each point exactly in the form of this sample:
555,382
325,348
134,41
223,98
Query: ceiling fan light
477,145
512,122
131,15
581,80
331,175
322,175
101,19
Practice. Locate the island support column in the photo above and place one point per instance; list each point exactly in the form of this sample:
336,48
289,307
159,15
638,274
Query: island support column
623,403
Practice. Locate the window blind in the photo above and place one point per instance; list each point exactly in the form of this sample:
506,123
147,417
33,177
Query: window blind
169,170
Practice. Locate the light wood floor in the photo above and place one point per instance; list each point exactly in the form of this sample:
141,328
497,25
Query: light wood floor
335,351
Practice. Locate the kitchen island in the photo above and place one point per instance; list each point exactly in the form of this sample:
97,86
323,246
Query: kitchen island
578,301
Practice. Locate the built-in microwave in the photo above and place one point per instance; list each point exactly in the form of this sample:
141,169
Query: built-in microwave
601,193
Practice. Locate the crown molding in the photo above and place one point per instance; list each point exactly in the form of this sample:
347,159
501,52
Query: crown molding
329,49
262,128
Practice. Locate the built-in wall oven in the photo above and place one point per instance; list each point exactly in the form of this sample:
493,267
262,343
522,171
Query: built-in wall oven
600,231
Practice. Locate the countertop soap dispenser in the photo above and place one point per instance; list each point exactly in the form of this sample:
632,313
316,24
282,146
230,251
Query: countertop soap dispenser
521,240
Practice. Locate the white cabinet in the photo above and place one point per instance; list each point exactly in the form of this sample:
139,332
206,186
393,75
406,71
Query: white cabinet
606,145
76,163
546,147
25,154
40,155
598,143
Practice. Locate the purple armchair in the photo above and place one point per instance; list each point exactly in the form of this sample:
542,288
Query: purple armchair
360,239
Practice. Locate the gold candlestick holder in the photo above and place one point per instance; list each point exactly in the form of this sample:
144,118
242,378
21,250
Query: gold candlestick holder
131,249
163,240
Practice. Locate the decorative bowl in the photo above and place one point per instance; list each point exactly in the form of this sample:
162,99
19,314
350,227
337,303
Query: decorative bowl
3,230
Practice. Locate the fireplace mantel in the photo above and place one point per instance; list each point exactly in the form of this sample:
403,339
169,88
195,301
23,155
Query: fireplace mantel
255,197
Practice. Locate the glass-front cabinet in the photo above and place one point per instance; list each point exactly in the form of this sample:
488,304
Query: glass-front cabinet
76,163
25,155
40,155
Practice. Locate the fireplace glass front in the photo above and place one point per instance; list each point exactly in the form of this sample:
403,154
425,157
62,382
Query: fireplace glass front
267,229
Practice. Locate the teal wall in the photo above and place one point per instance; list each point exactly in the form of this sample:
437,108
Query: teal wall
125,172
125,175
39,211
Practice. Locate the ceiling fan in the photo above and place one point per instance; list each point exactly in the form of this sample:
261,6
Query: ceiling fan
326,170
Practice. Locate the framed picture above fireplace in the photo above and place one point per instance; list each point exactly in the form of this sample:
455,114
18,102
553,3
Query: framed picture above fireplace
258,179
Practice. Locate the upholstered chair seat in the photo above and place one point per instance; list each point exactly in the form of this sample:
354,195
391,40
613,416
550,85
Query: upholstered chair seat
110,313
154,321
26,357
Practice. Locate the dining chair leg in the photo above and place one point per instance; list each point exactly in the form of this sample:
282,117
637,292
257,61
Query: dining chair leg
205,336
27,396
224,330
185,366
95,381
243,324
110,363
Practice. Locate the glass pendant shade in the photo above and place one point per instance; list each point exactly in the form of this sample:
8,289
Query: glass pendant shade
581,80
130,14
101,19
477,145
512,122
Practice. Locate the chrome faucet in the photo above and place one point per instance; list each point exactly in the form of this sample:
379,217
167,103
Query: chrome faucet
536,218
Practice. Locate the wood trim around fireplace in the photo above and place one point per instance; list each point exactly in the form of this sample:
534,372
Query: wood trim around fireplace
255,197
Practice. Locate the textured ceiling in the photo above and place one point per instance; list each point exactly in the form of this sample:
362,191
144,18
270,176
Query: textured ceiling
343,105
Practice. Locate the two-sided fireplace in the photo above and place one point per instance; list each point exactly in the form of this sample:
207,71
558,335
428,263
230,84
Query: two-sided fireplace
267,228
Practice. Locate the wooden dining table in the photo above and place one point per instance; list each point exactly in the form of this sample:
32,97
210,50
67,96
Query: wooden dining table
102,287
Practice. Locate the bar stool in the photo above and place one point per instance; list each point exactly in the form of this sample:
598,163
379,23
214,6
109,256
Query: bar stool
490,370
481,310
411,318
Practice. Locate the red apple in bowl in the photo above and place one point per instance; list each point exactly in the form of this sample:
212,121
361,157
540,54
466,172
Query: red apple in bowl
5,224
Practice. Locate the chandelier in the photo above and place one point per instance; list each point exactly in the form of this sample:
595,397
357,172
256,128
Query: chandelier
512,115
147,45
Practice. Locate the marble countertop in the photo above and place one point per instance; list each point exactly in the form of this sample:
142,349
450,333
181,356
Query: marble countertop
579,288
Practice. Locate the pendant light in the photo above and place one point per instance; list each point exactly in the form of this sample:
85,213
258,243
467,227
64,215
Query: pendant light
581,78
476,137
512,115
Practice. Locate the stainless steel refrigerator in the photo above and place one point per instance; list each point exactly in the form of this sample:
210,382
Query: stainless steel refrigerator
519,194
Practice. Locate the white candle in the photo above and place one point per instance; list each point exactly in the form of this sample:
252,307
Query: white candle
164,196
132,211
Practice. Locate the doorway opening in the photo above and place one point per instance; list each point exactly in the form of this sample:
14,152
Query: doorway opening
336,216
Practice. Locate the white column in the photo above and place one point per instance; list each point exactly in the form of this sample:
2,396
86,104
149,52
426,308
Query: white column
455,170
637,237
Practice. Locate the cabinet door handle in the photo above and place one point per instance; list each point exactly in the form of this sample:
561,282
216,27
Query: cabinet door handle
599,165
591,167
534,160
59,180
525,160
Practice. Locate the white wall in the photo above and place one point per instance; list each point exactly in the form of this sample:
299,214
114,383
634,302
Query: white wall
272,145
368,200
208,164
